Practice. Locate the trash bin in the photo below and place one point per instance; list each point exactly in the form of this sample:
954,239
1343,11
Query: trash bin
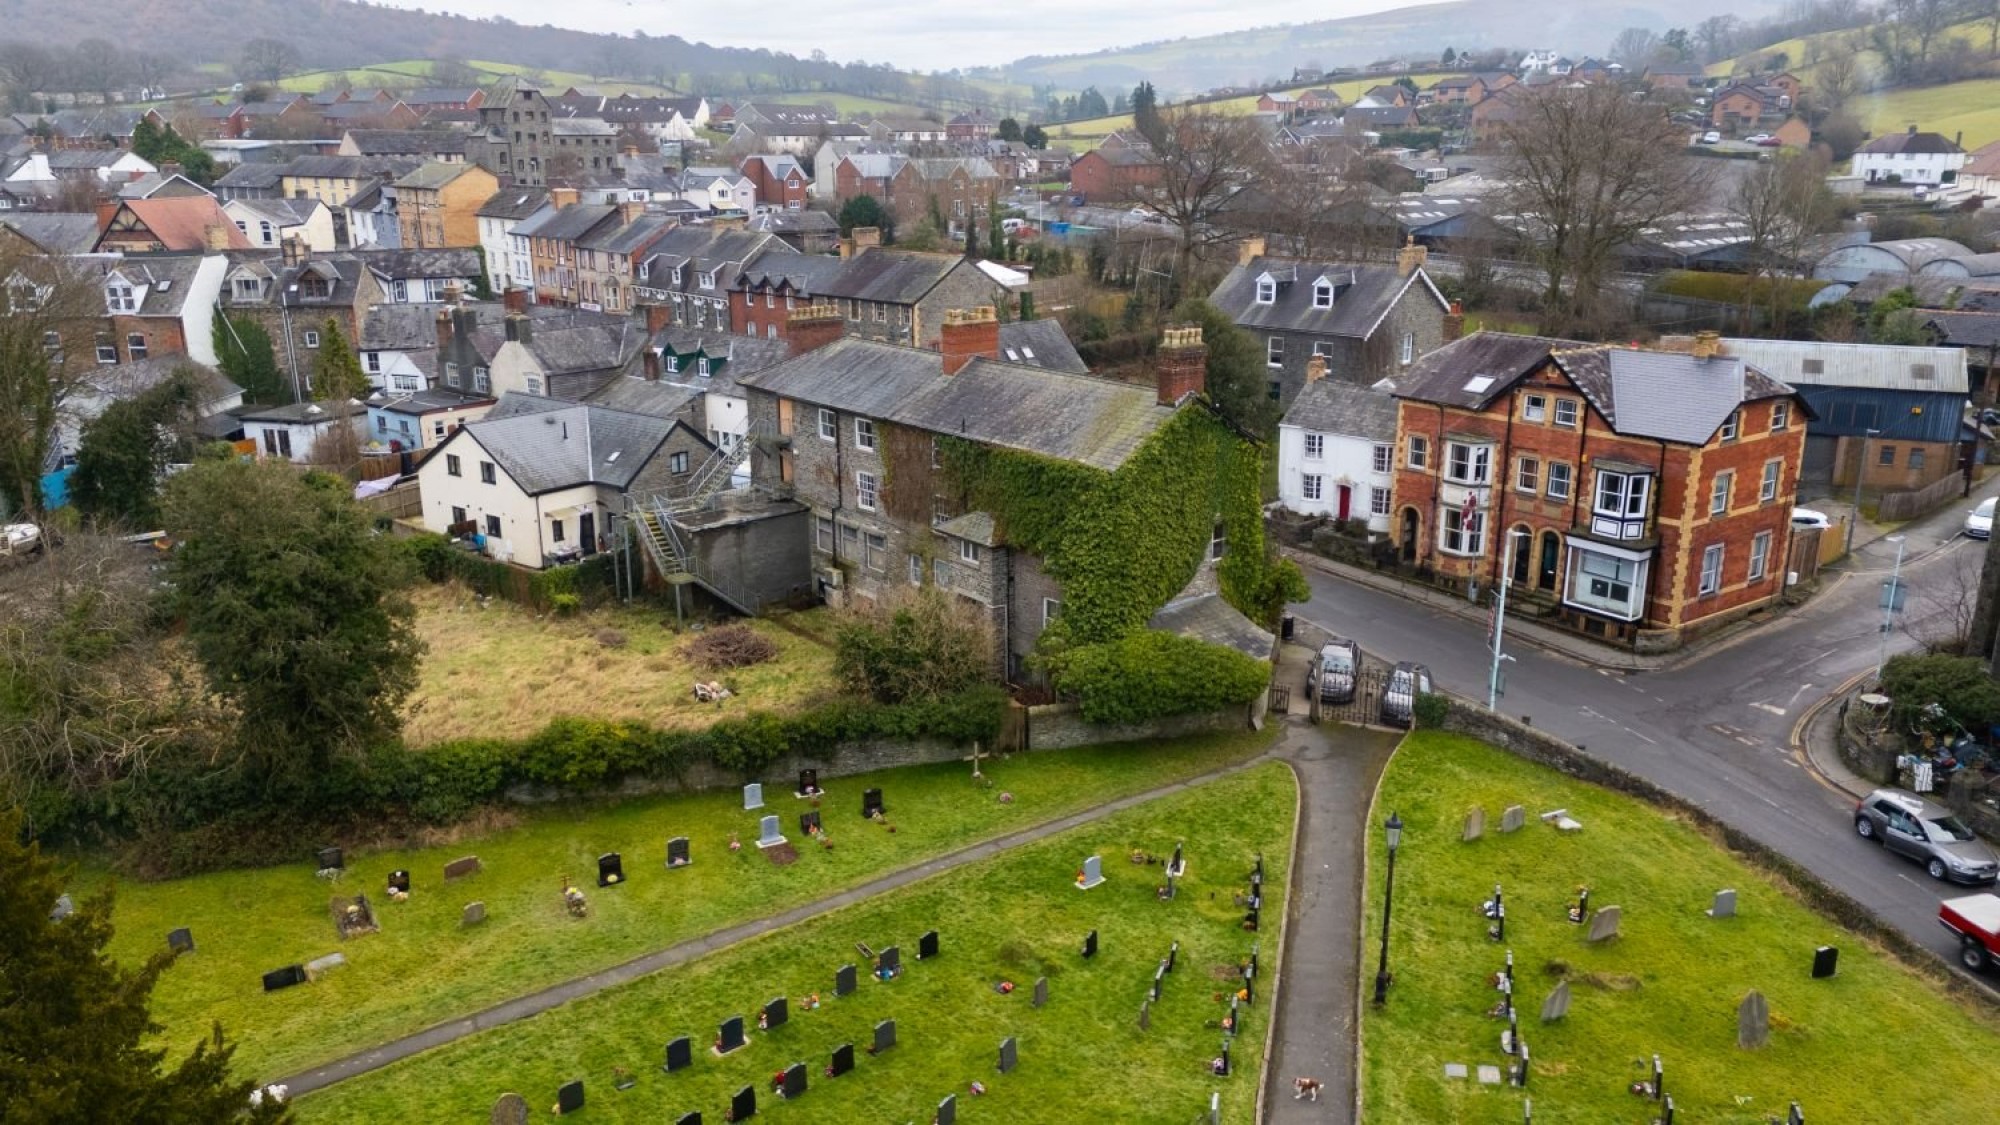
1288,626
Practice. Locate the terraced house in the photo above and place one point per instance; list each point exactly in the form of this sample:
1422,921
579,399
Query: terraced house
1635,496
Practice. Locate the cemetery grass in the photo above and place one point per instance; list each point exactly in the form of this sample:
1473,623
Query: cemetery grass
1015,917
1877,1034
498,670
422,968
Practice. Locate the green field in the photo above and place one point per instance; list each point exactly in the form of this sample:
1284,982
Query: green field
411,71
422,968
1971,108
1094,128
1845,1048
1016,917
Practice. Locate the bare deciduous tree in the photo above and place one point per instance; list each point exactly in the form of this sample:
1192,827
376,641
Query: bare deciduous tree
1782,204
1636,47
98,66
267,60
1205,159
1839,75
1588,170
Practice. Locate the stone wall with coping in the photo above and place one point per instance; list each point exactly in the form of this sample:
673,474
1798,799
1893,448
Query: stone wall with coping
779,777
1060,726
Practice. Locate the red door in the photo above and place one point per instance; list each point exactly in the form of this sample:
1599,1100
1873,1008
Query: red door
1346,496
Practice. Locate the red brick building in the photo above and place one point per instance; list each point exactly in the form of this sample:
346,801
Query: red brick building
1646,494
1108,176
781,181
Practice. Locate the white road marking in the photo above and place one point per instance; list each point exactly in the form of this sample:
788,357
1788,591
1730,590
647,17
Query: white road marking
1771,707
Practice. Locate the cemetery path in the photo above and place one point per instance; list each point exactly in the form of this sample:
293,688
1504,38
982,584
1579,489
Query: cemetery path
361,1062
1318,974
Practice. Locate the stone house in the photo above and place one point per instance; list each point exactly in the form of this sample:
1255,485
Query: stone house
437,205
901,297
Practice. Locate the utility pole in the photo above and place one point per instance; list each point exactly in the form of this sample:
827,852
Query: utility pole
1860,469
1892,600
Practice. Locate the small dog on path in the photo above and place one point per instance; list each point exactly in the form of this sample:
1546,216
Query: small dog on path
1304,1087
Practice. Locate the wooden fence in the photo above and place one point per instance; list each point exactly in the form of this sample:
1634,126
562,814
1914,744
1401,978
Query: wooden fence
402,502
1896,507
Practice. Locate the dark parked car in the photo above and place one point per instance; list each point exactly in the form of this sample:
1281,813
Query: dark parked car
1927,833
1336,671
1399,695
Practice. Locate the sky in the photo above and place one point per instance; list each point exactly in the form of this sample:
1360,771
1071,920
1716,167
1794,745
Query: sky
920,35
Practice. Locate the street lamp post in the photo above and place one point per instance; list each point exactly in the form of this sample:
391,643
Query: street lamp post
1860,468
1890,598
1393,830
1500,619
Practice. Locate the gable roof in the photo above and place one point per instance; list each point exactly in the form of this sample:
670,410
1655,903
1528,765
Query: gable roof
514,203
55,232
1331,406
391,327
1871,366
543,444
1371,291
183,222
434,174
1040,343
891,276
1911,143
1965,329
406,142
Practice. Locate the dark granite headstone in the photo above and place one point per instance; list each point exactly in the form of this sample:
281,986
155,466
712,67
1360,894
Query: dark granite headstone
1173,954
569,1099
775,1014
1257,872
891,960
1159,976
843,980
331,859
1826,959
1008,1061
729,1036
181,941
885,1037
399,881
680,1054
809,822
1041,991
794,1083
284,978
689,1118
677,852
461,867
743,1106
1177,866
843,1060
871,803
808,783
1224,1072
1090,944
947,1111
610,869
927,945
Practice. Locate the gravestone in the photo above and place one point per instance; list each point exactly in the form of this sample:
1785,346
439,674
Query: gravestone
843,1060
809,823
729,1036
1795,1115
1659,1079
677,852
399,882
63,908
1521,1067
947,1111
1177,866
1512,818
692,1117
1456,1070
1667,1111
890,960
610,869
1224,1059
808,783
1090,944
885,1037
181,941
1475,824
1250,966
776,1014
474,913
1557,1005
927,945
1173,954
1489,1075
843,980
753,796
1603,924
510,1109
680,1055
1008,1060
1252,919
461,867
794,1083
320,966
769,834
284,978
1753,1021
1215,1108
1159,974
743,1106
331,859
569,1099
352,917
1725,905
1041,991
1826,959
871,804
1091,875
1145,1015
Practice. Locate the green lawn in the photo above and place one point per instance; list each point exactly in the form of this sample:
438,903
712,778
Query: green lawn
1876,1035
1016,917
422,969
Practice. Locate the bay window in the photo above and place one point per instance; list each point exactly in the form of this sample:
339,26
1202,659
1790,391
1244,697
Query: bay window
1619,511
1607,581
1468,463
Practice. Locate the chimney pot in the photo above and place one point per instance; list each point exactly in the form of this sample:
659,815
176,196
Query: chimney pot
1411,257
968,334
1707,345
1181,367
814,326
1250,249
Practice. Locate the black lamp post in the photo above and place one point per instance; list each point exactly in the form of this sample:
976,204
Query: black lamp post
1393,830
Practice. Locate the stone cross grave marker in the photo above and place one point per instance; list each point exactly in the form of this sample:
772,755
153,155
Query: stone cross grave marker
1753,1021
947,1111
181,941
743,1104
610,869
843,1060
1725,904
769,834
1091,875
776,1014
1475,824
1512,818
729,1036
753,796
1008,1060
794,1083
1603,924
462,867
569,1098
1826,960
677,852
843,981
1041,991
1090,944
510,1109
1557,1005
680,1054
927,945
885,1037
473,914
871,804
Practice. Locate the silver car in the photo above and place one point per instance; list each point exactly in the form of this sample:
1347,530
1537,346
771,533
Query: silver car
1928,833
1336,670
1406,682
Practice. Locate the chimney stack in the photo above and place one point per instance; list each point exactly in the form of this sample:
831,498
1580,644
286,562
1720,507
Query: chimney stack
652,364
1707,345
294,252
629,210
1181,366
454,293
865,237
968,334
1249,249
106,210
216,237
561,197
1411,257
515,299
814,326
1315,369
444,331
1913,129
1454,322
846,248
519,329
658,318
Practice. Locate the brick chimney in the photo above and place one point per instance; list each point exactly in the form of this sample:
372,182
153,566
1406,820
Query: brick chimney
1181,365
1411,257
444,331
454,292
515,299
652,359
1249,249
814,326
865,237
658,318
1454,322
629,210
216,237
967,334
520,329
294,252
846,248
561,197
106,210
1707,345
1315,369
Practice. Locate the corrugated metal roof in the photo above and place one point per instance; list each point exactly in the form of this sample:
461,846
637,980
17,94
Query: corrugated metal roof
1876,366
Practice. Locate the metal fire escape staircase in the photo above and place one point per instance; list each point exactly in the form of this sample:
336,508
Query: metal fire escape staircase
659,520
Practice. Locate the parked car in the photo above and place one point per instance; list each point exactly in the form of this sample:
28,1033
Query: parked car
1399,695
1930,834
1757,138
1711,138
1979,521
1770,142
1336,671
1807,517
1976,921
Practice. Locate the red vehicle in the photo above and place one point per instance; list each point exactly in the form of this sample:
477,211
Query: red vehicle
1976,921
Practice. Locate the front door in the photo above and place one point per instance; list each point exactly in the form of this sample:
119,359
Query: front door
1346,497
1409,535
586,532
1545,578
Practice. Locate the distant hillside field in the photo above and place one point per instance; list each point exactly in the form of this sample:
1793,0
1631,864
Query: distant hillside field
1972,108
1092,129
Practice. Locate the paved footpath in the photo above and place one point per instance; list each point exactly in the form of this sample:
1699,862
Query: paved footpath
1337,768
536,1003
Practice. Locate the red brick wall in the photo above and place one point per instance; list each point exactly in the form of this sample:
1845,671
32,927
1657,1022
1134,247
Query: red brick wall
164,336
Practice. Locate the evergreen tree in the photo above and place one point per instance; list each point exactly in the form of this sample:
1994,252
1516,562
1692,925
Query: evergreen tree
126,449
863,211
482,286
336,373
1035,137
1449,57
1146,113
971,237
249,360
996,235
1010,129
1237,382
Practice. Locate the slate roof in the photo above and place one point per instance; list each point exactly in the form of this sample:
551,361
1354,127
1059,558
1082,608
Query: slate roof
260,175
439,95
741,355
1080,418
514,203
543,444
582,127
1672,397
1207,617
1330,406
56,232
794,222
1356,310
433,175
979,527
1911,144
640,395
625,238
461,262
802,273
79,159
1040,343
891,276
1966,329
133,378
316,167
406,142
399,328
432,400
571,223
575,345
282,212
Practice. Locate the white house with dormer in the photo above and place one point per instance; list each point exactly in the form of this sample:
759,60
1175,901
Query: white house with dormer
1336,451
1540,62
719,189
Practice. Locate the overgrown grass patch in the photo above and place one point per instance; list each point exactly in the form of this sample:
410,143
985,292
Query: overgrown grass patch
1016,917
1844,1047
422,968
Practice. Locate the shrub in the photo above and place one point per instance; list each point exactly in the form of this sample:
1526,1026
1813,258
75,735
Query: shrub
1430,710
920,645
731,646
1940,694
1150,675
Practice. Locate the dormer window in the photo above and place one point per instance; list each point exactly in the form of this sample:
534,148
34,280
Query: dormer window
1267,290
247,288
120,297
1322,294
677,275
701,367
708,280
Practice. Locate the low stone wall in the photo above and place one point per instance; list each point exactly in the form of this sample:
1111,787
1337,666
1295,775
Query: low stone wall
1060,726
1870,762
1525,741
779,777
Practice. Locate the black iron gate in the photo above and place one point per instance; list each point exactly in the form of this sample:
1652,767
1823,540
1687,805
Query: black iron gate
1364,707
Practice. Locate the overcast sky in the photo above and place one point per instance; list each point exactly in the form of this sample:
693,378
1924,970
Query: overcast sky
916,34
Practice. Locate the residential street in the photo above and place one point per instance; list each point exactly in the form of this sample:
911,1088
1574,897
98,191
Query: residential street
1717,729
